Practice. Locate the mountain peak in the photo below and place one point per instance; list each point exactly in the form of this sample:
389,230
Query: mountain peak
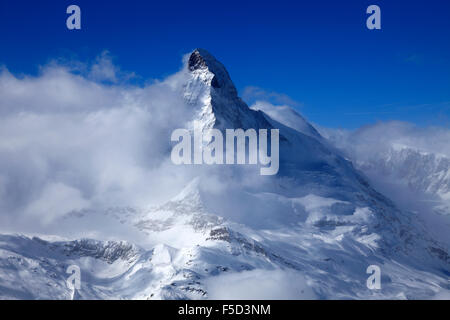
197,60
201,60
211,88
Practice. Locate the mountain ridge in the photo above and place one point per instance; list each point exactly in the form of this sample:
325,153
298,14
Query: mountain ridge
318,218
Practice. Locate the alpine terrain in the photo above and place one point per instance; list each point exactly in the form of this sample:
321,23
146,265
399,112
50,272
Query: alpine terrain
308,232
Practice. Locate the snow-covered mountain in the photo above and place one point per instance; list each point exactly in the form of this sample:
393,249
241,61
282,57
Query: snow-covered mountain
414,174
311,231
421,171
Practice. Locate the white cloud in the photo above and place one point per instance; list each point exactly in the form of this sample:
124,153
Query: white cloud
369,140
285,115
104,144
56,199
68,140
104,70
407,163
276,284
253,93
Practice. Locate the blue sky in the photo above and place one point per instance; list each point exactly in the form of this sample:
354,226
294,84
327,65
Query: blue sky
319,53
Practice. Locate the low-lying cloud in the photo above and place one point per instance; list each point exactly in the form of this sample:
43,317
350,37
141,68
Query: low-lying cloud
277,284
253,93
68,140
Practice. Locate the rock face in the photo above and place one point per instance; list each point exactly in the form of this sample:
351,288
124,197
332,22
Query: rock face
212,91
319,219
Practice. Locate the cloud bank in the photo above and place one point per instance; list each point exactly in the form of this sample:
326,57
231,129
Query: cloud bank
71,140
369,140
277,284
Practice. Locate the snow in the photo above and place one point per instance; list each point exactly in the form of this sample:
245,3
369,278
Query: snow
309,232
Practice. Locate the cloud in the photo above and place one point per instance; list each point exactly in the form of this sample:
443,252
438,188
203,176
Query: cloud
56,199
442,295
69,140
414,58
252,94
104,70
55,90
407,163
277,284
368,141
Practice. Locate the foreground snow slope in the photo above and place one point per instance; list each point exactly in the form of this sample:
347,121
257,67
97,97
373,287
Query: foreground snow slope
311,231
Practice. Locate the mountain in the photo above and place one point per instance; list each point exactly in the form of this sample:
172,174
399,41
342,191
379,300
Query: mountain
289,117
421,171
214,97
417,181
310,231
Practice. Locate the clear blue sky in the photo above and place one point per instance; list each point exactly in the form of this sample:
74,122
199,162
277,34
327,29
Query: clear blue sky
319,53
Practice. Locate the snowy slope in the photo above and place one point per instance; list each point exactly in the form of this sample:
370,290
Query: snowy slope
318,221
424,172
417,181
